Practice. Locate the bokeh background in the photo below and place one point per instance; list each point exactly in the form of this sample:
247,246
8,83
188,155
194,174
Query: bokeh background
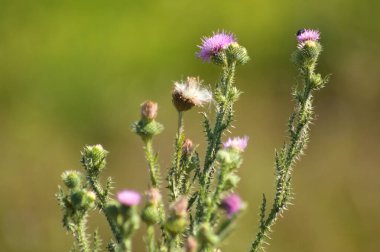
74,73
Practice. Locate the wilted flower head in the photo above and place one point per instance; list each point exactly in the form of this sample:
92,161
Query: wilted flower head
128,197
232,204
237,143
149,110
304,35
190,93
214,44
187,146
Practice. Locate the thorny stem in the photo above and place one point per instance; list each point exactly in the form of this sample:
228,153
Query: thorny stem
154,174
291,154
222,108
81,235
97,188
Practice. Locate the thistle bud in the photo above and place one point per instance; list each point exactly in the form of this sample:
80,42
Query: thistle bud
237,53
180,207
187,147
150,215
112,209
191,244
94,157
72,179
78,199
149,110
153,196
177,223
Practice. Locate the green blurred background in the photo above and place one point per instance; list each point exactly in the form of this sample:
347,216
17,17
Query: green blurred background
74,73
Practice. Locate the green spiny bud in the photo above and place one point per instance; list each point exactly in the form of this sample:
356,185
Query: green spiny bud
78,199
176,225
237,53
147,129
89,199
72,179
94,157
150,215
112,209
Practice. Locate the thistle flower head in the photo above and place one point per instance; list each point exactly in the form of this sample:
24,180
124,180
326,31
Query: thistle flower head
190,93
232,204
214,44
128,197
304,35
149,110
236,143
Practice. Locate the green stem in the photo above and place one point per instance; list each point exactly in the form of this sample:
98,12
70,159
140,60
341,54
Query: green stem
150,157
81,236
97,188
223,107
291,154
150,239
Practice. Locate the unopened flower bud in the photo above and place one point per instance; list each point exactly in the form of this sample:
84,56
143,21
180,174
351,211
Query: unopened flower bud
72,179
91,196
94,157
78,199
191,244
187,147
176,226
180,207
112,209
237,53
153,196
150,215
149,110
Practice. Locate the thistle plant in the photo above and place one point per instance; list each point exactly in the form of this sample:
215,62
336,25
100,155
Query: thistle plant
202,205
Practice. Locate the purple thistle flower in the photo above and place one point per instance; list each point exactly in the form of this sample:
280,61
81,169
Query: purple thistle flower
214,44
238,143
304,35
128,197
232,204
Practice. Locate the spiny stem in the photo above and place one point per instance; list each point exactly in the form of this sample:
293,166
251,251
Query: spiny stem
97,188
291,153
151,246
150,157
82,236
